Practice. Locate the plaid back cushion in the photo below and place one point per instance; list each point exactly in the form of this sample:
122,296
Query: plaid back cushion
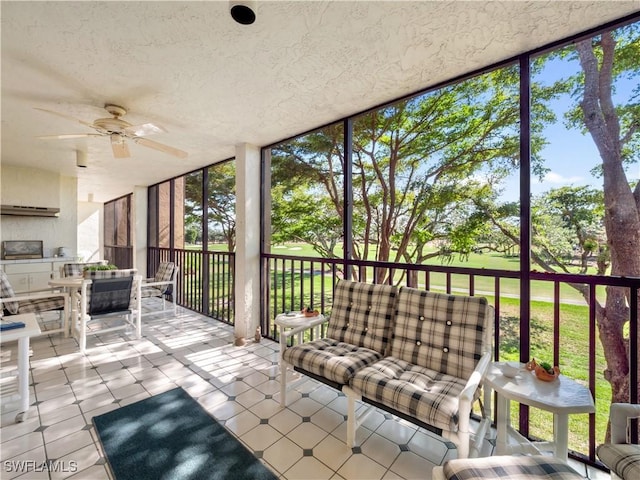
362,313
164,274
125,272
76,269
440,332
6,291
73,269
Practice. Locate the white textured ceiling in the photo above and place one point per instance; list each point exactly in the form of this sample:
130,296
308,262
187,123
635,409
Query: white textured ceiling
213,83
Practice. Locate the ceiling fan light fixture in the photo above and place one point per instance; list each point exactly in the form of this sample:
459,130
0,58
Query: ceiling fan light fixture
242,12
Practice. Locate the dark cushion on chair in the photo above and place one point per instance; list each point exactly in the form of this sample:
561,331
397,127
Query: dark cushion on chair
331,359
125,272
110,295
505,467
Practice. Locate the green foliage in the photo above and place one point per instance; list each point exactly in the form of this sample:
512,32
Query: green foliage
95,268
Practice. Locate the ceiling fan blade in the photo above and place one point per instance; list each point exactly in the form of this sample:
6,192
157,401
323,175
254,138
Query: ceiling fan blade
68,117
119,147
70,135
161,147
144,130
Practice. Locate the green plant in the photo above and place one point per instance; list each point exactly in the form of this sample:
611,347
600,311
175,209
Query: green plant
547,366
95,268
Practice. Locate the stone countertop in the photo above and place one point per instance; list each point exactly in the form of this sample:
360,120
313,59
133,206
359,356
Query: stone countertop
40,260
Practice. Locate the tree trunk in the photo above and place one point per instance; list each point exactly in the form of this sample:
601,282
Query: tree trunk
622,215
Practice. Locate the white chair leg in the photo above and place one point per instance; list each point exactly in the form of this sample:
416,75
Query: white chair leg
139,323
283,383
83,335
351,421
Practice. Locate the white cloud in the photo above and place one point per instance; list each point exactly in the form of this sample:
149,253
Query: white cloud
557,179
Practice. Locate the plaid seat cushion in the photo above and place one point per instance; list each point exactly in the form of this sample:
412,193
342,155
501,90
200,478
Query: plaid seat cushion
151,292
511,467
331,359
6,291
125,272
41,305
428,395
361,314
622,459
443,333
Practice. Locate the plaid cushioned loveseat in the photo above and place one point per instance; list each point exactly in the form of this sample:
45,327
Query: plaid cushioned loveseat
417,354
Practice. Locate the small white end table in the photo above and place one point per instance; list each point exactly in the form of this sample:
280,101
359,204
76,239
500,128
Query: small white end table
289,324
295,323
561,397
22,335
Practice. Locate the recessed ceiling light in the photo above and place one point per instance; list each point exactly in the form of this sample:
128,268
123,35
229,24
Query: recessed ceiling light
242,12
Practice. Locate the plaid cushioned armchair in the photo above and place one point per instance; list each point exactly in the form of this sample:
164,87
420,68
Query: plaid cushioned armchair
35,302
162,285
622,458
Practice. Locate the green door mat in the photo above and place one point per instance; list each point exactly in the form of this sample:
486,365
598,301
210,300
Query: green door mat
171,437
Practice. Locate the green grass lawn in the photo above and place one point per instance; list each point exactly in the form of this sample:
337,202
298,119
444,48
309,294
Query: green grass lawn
483,285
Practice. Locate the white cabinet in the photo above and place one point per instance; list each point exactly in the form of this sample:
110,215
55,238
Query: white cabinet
28,277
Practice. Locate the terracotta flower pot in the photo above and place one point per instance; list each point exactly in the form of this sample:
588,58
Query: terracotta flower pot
309,313
545,376
541,373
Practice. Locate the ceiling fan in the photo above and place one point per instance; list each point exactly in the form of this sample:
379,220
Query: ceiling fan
118,130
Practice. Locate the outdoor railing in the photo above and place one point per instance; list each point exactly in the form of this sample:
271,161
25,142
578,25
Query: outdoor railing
198,269
560,326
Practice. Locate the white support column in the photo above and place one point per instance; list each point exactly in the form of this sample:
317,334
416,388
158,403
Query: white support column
139,222
247,271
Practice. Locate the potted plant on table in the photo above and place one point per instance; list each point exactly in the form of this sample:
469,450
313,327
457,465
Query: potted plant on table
310,312
95,268
543,370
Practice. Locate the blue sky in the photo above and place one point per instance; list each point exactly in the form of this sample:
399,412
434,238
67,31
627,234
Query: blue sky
570,155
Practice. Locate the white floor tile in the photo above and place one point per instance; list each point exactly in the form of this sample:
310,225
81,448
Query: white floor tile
239,386
361,467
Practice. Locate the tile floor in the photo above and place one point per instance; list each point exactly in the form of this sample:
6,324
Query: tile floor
238,385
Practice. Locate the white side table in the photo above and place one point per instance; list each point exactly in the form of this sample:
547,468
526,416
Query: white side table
295,323
22,335
561,397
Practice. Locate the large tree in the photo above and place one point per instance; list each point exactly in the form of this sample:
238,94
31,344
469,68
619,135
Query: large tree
418,165
615,131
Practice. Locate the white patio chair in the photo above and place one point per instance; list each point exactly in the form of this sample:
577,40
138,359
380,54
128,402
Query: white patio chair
161,286
48,300
108,296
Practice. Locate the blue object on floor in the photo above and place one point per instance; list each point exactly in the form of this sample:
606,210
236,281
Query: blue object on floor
171,437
